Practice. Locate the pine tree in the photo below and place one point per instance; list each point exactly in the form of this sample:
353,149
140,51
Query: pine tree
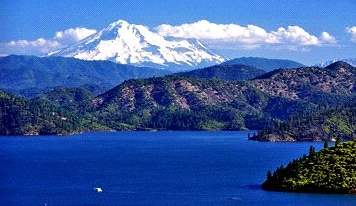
311,151
269,175
337,142
326,144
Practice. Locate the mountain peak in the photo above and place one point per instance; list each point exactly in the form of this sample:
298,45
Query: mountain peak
126,43
338,64
120,22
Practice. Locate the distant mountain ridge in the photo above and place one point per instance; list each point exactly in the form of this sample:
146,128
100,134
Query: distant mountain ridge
264,63
126,43
30,75
351,61
225,72
30,72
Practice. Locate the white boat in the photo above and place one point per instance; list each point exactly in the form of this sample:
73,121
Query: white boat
98,189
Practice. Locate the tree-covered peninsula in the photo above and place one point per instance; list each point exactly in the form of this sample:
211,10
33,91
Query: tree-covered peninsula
331,170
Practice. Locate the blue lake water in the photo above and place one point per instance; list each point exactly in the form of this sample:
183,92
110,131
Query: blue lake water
148,168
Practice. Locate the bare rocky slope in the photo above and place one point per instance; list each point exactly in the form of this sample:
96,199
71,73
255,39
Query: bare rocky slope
218,104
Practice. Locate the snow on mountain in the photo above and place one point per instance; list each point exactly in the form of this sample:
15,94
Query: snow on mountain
351,61
126,43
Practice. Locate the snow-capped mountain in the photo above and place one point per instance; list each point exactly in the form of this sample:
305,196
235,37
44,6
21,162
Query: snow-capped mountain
126,43
351,61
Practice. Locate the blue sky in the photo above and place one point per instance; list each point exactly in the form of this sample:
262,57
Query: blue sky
30,20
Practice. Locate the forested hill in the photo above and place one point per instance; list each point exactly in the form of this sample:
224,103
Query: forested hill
225,72
332,170
309,82
331,88
178,102
321,124
20,116
181,103
76,100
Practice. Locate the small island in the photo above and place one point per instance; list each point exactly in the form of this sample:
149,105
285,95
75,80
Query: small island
331,170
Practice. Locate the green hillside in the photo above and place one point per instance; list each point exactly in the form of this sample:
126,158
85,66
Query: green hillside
332,170
321,124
